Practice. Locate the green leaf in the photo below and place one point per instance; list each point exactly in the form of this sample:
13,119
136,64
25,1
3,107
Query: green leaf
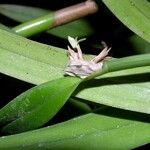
135,14
80,28
139,44
37,63
21,13
128,89
5,28
37,106
81,105
108,129
30,61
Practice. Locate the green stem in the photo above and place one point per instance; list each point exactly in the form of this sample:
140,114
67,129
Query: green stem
35,26
128,62
56,18
121,64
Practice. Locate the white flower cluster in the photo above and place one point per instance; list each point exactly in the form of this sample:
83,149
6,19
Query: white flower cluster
79,67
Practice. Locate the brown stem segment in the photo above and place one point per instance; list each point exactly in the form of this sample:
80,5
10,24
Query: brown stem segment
74,12
57,18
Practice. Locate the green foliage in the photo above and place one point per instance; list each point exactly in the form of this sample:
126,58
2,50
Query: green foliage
37,106
126,88
106,129
32,62
22,13
139,44
134,14
5,28
35,63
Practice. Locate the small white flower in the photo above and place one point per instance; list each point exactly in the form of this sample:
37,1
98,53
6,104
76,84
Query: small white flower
77,66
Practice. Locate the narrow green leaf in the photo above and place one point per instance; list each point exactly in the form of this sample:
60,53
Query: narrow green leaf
37,63
127,89
37,106
111,129
5,28
80,28
139,44
30,61
82,106
135,14
21,13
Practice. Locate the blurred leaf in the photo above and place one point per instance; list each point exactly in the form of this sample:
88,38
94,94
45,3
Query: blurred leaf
110,129
81,105
5,28
135,14
139,44
37,106
37,63
21,13
80,28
